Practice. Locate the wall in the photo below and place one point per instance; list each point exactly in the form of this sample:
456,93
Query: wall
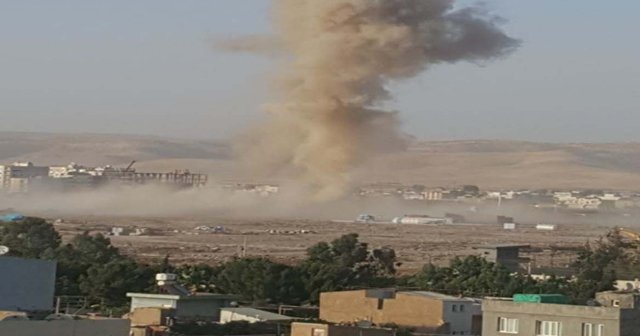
404,310
204,310
150,316
460,322
307,329
527,314
106,327
26,284
143,302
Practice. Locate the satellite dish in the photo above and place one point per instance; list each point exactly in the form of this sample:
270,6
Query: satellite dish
3,250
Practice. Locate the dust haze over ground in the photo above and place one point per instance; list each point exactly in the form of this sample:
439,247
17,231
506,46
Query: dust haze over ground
326,117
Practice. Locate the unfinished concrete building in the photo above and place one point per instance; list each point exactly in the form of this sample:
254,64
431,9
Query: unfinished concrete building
425,311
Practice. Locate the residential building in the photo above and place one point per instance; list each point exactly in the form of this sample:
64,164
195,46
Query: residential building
612,314
324,329
251,315
507,255
425,311
198,307
186,306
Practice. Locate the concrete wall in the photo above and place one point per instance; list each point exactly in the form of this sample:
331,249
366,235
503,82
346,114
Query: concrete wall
624,300
460,321
203,310
107,327
319,329
26,284
150,316
143,302
570,316
404,310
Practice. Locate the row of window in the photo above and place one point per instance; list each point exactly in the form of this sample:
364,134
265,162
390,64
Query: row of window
548,328
457,308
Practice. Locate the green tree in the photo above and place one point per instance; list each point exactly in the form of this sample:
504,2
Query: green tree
260,280
29,238
346,263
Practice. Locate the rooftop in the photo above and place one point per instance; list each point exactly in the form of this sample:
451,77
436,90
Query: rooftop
197,296
257,313
437,296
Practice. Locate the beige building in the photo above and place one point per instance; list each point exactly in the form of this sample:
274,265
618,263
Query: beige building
425,311
613,314
323,329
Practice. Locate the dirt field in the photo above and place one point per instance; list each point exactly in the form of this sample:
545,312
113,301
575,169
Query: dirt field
287,240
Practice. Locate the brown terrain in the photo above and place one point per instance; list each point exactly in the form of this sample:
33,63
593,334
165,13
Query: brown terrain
490,164
287,240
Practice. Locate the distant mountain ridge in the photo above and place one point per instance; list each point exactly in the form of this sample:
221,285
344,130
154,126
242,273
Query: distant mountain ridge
489,163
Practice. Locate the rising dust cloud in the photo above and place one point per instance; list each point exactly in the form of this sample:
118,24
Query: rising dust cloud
338,58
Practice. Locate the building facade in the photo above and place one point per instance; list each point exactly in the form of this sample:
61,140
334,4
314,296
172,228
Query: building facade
200,307
323,329
425,311
506,317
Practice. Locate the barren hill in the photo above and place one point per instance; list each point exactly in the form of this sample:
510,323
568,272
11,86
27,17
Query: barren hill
488,163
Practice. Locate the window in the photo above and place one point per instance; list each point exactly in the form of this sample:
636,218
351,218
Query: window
461,308
587,329
548,328
590,329
508,325
600,330
454,308
380,304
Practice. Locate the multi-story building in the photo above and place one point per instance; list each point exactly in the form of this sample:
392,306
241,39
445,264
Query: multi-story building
424,311
612,314
17,176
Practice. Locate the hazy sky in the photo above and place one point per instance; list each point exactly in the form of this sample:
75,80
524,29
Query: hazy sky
148,66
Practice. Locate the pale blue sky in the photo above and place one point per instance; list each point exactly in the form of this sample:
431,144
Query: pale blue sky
148,66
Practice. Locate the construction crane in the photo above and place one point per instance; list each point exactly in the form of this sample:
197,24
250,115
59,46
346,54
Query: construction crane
129,166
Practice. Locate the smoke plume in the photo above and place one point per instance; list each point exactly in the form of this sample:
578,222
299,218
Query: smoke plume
340,55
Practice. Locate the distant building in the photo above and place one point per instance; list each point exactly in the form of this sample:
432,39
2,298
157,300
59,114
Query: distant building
507,255
250,315
615,314
325,329
15,178
434,195
425,311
